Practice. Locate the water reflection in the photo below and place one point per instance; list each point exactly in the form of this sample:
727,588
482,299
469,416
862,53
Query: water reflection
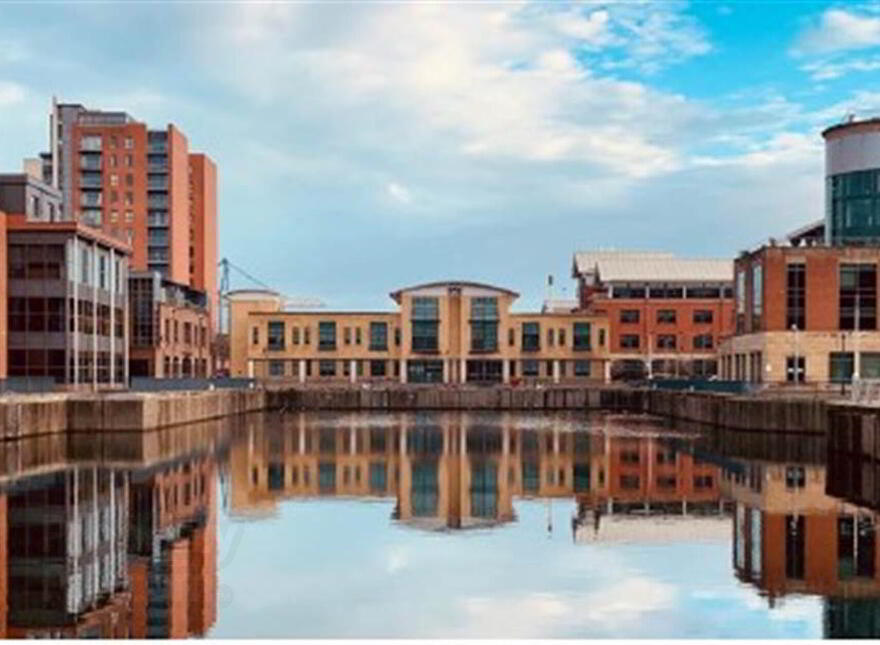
121,536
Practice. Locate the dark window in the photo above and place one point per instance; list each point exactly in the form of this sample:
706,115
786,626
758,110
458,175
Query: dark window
549,338
377,368
841,367
326,335
793,374
796,296
327,368
306,336
601,338
629,315
255,334
276,335
795,542
276,368
666,341
378,477
629,482
531,336
666,482
562,338
581,335
697,293
484,324
858,293
795,477
665,292
511,337
703,481
378,336
629,341
346,335
530,368
425,323
703,341
702,316
627,291
666,316
295,336
357,335
582,368
424,371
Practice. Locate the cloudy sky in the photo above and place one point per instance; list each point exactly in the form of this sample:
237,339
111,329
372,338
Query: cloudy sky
366,146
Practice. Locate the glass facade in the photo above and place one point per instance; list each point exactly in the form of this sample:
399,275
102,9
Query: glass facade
484,324
858,296
425,324
854,207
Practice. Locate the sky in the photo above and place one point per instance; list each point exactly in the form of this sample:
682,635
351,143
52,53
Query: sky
367,146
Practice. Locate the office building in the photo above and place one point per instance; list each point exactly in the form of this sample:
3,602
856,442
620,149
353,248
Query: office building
666,315
442,332
66,291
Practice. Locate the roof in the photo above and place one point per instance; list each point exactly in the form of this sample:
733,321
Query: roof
813,229
872,123
564,305
251,294
628,266
451,284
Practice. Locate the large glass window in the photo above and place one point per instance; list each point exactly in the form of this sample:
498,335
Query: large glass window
854,203
326,335
757,295
425,323
484,324
581,335
796,296
484,489
795,369
841,366
629,315
275,338
858,296
424,371
531,336
425,489
702,316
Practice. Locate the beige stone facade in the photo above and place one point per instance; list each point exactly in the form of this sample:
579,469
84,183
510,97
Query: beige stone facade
444,332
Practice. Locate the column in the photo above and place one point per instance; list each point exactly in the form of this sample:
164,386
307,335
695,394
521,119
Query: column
402,371
505,441
75,278
555,441
302,370
352,371
556,371
352,441
607,368
301,432
505,371
250,368
111,271
403,440
94,316
446,370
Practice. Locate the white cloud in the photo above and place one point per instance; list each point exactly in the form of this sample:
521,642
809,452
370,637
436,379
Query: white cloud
840,30
11,93
826,70
399,193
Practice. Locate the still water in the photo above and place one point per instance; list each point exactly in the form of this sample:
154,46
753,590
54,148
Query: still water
437,525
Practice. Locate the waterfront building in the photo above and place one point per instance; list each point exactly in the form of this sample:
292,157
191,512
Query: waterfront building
666,314
65,295
170,328
119,175
442,332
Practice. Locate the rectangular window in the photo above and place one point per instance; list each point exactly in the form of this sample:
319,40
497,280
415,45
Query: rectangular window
702,316
550,338
326,335
276,368
295,335
629,341
357,335
530,368
562,337
795,477
531,336
255,334
306,336
666,341
327,368
484,324
629,315
581,368
511,337
275,338
425,323
629,482
703,341
378,336
841,366
601,338
346,335
795,369
796,296
377,368
757,295
666,316
858,296
581,336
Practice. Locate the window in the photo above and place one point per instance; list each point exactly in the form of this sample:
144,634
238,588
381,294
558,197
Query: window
484,324
511,337
561,338
629,341
377,368
702,316
601,338
378,477
255,334
326,335
629,315
627,291
530,368
757,295
629,482
703,341
581,336
858,296
796,296
306,336
665,292
841,366
703,481
550,338
582,368
357,335
114,179
295,335
666,341
129,142
129,217
276,368
346,335
798,373
425,322
795,477
275,337
327,368
666,316
666,482
531,336
378,336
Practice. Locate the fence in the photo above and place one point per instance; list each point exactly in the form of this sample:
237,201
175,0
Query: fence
148,384
24,384
702,385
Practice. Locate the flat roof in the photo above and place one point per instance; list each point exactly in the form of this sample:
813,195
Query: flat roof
635,266
863,124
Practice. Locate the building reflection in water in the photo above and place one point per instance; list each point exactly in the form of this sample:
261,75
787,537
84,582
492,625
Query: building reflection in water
463,470
792,536
108,537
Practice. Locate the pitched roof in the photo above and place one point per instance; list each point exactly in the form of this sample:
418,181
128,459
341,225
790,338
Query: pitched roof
452,283
629,266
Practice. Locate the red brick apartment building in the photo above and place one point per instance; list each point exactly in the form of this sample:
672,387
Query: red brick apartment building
666,314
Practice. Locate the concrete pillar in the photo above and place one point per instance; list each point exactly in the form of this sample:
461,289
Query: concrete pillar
250,368
302,370
352,371
609,506
352,441
505,441
302,435
555,441
446,370
607,369
402,371
505,371
403,441
684,507
556,371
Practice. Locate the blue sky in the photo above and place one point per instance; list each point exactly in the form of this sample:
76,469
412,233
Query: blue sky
367,146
